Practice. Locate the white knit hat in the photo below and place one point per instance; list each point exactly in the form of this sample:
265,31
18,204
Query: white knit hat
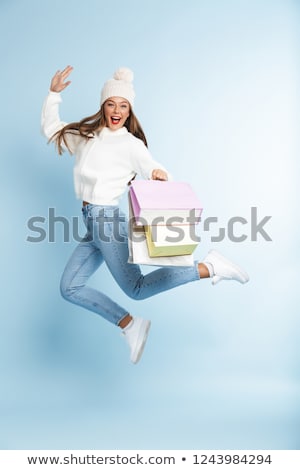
120,85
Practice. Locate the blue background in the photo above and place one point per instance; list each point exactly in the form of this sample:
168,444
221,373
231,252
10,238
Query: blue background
218,98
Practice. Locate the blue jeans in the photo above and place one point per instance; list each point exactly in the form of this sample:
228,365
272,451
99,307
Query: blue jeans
106,241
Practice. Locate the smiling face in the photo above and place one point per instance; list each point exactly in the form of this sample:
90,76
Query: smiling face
116,111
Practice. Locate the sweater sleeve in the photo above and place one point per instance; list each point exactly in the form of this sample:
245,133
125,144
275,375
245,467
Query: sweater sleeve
51,122
142,161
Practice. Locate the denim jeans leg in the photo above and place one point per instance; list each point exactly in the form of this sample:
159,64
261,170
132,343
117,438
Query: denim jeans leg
84,261
114,247
107,240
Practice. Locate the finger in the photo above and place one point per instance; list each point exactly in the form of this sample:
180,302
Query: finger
67,70
160,175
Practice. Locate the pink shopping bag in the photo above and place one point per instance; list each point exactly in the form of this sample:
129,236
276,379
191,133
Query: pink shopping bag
164,203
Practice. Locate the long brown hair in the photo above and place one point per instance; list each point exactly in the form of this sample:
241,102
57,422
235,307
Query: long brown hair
87,127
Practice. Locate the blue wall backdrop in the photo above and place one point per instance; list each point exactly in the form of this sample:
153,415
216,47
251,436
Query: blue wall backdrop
217,95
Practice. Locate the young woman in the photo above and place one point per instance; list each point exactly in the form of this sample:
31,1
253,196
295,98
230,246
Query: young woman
110,149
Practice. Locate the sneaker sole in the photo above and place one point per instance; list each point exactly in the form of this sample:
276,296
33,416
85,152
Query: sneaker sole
242,274
143,335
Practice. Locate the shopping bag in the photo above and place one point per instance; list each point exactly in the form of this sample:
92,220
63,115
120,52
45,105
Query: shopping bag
164,202
138,249
170,240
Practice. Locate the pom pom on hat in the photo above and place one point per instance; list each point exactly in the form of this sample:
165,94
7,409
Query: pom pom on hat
124,73
120,85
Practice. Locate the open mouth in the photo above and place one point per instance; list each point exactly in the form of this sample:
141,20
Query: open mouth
115,120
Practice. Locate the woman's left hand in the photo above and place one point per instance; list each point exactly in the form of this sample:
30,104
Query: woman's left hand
159,175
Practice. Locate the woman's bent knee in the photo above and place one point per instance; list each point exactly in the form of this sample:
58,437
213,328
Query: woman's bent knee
66,291
134,293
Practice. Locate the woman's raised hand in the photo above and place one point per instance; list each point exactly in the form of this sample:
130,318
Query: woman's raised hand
58,83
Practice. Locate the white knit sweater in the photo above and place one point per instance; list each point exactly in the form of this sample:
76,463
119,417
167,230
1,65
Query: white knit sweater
104,164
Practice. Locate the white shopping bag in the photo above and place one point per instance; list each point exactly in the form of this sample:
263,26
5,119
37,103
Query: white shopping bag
138,249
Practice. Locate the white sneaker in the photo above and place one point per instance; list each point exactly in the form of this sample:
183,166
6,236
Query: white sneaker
224,269
136,335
